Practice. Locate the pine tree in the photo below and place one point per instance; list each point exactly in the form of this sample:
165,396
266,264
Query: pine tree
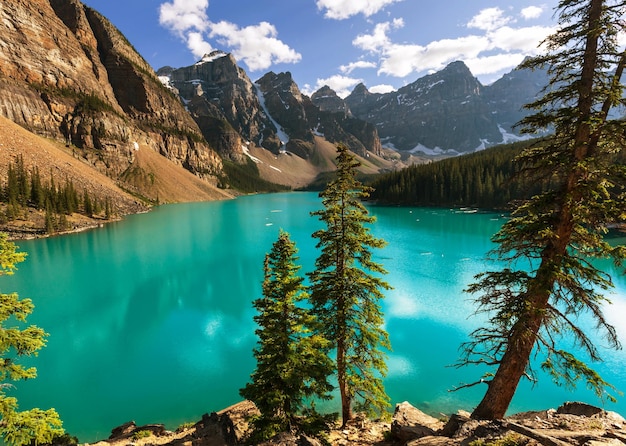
551,239
108,211
346,296
37,194
20,428
87,205
292,362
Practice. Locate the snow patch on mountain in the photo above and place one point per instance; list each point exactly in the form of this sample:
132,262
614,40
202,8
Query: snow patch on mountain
211,57
508,137
420,148
282,135
246,151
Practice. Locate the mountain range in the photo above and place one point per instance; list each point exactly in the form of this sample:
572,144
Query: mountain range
67,74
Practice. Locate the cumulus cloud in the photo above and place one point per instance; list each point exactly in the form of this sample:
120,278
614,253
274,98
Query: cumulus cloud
489,19
381,88
349,68
257,46
343,9
197,45
378,39
342,85
486,65
494,47
532,12
180,16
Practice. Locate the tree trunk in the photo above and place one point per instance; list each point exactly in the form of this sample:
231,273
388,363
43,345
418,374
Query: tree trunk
524,333
512,367
346,401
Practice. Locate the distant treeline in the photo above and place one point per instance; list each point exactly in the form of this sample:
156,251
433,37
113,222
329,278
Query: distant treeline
484,179
25,189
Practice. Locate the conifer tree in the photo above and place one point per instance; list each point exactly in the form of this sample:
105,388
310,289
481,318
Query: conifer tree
20,427
37,194
551,240
87,205
346,295
292,361
108,212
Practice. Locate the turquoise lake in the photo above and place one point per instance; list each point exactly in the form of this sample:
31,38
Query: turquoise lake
150,319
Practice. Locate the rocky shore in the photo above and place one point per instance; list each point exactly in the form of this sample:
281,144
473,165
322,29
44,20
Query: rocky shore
571,424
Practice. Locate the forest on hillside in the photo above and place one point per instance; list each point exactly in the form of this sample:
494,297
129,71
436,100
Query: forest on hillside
484,179
25,189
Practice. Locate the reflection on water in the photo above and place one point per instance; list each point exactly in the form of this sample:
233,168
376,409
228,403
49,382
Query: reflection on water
150,319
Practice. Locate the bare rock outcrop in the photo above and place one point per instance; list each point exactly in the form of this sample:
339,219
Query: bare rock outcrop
67,73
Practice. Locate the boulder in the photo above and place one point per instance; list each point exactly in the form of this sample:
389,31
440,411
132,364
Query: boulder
433,441
226,427
410,423
454,423
129,428
122,430
576,408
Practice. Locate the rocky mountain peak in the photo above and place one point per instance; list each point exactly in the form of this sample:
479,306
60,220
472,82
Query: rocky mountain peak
223,100
449,111
454,82
327,100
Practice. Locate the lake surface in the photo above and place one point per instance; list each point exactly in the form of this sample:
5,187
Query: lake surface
150,319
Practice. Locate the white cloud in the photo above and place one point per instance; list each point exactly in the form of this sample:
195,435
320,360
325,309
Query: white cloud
347,69
489,19
343,9
376,40
496,46
401,60
181,16
532,12
342,85
197,45
257,46
381,88
483,66
519,39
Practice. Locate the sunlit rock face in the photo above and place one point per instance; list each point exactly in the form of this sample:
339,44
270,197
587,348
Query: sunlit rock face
67,73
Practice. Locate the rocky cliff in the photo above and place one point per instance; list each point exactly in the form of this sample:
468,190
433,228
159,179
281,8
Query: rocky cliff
67,73
223,100
301,117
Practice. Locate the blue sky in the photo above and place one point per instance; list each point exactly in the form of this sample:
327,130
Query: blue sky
384,44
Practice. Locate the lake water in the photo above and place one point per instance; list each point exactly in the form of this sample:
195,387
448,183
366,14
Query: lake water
150,319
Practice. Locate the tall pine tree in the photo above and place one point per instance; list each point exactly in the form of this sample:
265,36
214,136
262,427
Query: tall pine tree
346,295
292,361
20,427
551,239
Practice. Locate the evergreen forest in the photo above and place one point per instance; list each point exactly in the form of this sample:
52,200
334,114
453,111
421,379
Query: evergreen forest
482,179
24,190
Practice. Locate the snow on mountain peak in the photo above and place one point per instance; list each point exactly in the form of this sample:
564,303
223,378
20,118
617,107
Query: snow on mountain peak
212,56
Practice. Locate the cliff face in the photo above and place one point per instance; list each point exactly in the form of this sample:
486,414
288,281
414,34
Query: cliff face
299,116
224,101
67,73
